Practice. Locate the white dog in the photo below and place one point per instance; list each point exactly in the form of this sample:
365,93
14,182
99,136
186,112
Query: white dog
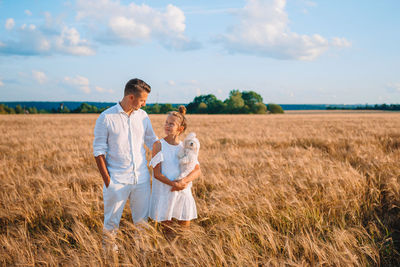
188,155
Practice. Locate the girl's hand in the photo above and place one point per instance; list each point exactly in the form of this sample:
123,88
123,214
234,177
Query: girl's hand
179,185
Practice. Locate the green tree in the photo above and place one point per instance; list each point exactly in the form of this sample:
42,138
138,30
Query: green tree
65,110
251,98
32,110
202,108
275,108
19,109
235,102
3,109
155,109
147,108
216,107
252,102
10,110
213,104
260,108
164,108
86,108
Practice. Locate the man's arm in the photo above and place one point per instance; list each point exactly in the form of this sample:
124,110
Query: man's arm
149,136
101,165
100,147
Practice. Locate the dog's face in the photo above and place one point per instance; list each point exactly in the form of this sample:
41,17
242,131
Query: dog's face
191,145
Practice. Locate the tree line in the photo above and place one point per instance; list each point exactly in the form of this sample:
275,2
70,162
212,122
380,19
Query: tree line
390,107
245,102
4,109
83,108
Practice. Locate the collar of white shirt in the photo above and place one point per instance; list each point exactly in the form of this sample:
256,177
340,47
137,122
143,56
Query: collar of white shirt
121,110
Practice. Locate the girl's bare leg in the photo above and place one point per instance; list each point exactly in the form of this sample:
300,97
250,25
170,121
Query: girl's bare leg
184,224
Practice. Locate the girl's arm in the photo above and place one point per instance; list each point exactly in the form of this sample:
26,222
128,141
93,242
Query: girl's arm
183,183
157,169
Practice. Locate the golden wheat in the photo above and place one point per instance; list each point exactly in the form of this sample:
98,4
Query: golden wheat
293,190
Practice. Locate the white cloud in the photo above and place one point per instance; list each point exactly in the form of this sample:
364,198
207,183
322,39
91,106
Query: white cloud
10,23
39,76
50,38
190,83
393,87
310,3
106,21
1,82
80,82
171,83
70,42
26,27
28,12
340,42
307,4
128,29
263,30
102,90
202,11
132,24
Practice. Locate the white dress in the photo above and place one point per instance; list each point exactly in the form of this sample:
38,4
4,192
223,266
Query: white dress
165,204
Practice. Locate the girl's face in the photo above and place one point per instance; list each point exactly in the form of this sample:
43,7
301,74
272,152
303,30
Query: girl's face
172,126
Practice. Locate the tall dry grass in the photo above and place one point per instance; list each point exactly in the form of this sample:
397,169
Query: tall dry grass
293,190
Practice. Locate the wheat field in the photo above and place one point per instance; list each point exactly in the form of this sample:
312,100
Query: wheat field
276,190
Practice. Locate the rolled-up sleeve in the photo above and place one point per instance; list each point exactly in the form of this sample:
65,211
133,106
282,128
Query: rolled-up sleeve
100,136
149,135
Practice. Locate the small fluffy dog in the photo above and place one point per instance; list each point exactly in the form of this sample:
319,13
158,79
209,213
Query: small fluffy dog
188,154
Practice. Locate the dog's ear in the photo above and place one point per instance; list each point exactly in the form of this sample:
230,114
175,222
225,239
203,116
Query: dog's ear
190,136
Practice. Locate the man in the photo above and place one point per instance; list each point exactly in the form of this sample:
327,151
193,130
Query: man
119,137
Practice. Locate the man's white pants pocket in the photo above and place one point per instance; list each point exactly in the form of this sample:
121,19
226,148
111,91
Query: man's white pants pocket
115,197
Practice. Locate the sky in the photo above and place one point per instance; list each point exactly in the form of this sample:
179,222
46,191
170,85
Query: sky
288,51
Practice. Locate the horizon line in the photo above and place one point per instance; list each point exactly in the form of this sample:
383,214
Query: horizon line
177,103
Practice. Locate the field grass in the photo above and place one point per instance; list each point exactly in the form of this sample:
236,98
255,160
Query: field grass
293,190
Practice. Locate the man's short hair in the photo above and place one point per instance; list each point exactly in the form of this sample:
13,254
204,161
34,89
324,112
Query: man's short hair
136,87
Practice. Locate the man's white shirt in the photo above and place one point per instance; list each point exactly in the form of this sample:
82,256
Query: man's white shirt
121,139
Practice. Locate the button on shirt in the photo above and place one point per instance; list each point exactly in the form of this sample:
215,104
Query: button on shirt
121,139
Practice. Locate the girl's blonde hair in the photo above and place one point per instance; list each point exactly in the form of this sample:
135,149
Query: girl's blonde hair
181,115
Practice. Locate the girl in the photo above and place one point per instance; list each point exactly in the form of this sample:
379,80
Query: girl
166,203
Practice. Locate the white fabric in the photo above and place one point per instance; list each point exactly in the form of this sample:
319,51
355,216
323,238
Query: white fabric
159,157
121,138
165,204
115,197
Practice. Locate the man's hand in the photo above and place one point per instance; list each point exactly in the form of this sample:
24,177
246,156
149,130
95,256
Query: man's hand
107,181
102,166
179,185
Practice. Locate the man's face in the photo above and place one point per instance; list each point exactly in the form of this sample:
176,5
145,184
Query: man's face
139,101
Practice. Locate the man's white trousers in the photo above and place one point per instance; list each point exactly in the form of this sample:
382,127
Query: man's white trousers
115,197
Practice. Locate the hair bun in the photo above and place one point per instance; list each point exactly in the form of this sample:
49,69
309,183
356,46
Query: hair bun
182,110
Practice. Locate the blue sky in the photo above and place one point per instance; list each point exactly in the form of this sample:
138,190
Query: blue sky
293,51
